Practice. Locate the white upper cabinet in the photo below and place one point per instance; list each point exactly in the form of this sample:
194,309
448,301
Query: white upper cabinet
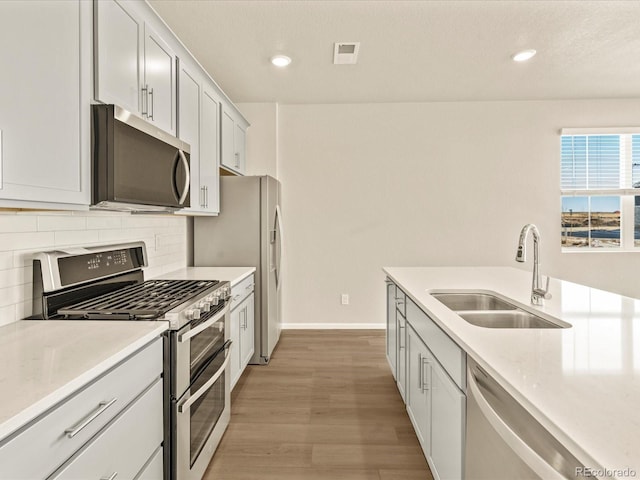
44,98
234,128
198,113
159,81
134,65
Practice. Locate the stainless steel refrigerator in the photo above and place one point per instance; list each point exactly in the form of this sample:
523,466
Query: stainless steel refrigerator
248,233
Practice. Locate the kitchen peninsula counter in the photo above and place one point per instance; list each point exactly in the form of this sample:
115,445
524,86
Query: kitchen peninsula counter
581,383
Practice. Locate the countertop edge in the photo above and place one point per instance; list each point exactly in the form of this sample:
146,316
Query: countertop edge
48,402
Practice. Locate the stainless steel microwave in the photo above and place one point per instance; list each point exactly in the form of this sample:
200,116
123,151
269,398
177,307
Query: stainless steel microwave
136,166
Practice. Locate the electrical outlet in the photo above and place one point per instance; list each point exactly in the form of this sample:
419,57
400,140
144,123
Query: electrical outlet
344,299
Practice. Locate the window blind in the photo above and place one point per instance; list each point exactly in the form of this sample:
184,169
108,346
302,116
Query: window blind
591,162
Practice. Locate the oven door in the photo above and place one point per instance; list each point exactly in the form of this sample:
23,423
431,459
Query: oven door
200,391
201,416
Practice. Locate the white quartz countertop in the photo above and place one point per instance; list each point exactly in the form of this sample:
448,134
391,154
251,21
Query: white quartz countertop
233,275
581,383
44,361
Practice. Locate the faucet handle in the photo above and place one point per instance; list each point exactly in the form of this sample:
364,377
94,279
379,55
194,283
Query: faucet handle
543,293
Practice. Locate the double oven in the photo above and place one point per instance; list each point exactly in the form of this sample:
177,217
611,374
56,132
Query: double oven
106,283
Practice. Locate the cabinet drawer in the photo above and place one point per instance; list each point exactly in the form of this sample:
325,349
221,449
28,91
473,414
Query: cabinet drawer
153,469
446,351
241,290
44,445
124,447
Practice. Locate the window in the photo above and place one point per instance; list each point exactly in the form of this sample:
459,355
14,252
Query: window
600,188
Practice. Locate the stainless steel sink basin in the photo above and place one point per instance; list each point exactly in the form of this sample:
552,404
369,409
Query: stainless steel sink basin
507,319
472,301
484,309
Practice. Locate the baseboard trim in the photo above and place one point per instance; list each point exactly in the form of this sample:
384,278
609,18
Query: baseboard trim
334,326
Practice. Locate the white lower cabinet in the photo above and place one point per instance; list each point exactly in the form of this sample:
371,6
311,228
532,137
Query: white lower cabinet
430,374
242,327
122,449
114,424
153,469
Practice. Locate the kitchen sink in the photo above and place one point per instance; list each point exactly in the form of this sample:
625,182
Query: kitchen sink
487,310
507,319
472,301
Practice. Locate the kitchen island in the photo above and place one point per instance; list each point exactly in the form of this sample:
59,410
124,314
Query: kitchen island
581,383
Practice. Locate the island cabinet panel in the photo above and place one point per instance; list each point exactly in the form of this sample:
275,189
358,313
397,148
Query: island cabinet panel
431,376
392,335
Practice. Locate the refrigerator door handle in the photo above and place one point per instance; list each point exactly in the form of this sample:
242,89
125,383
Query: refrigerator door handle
279,241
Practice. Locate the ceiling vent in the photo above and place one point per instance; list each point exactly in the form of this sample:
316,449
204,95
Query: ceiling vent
345,53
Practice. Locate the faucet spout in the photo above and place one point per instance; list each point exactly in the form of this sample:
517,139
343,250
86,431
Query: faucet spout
538,294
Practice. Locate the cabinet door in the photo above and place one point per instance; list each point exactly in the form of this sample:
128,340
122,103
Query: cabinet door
239,143
44,113
417,393
447,424
235,348
189,89
210,149
227,149
247,326
159,81
392,335
401,371
118,74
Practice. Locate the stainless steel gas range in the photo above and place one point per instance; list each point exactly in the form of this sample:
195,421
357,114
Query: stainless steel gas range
107,283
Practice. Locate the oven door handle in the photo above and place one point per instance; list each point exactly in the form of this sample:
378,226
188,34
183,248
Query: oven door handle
193,398
203,326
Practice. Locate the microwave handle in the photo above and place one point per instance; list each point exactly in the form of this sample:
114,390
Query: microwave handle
187,178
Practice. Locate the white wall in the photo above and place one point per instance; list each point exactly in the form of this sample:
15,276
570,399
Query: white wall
262,138
22,233
372,185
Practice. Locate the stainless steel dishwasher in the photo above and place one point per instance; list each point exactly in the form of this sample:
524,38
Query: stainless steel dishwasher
503,440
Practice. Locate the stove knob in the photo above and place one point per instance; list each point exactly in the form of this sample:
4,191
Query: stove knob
192,314
205,306
216,299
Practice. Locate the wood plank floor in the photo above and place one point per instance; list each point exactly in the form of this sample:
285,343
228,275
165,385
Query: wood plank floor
325,408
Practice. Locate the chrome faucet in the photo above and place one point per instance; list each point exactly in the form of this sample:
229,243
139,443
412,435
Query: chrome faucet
538,294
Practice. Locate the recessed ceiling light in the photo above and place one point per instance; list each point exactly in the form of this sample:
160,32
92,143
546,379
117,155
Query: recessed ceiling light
524,55
280,60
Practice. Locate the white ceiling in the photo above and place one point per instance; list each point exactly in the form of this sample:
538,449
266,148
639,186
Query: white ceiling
413,51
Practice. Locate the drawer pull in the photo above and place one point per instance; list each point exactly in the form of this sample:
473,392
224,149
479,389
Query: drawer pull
102,406
110,477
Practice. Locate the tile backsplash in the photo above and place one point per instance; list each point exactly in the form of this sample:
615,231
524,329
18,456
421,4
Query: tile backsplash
24,233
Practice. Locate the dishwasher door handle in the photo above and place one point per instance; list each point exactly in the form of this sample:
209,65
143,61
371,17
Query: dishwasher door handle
519,446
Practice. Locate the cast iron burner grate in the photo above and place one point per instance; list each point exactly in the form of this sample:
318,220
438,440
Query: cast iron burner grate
147,300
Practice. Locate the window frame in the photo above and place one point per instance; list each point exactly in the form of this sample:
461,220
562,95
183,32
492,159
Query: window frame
626,193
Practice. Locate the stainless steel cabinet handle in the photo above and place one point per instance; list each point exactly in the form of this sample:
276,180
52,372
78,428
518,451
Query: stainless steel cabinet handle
420,374
145,101
400,326
237,157
206,196
151,110
426,383
202,197
102,406
110,477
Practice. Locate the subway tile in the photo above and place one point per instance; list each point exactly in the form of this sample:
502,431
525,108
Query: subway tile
140,221
76,238
13,295
6,260
8,315
98,222
16,276
52,223
24,240
14,223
